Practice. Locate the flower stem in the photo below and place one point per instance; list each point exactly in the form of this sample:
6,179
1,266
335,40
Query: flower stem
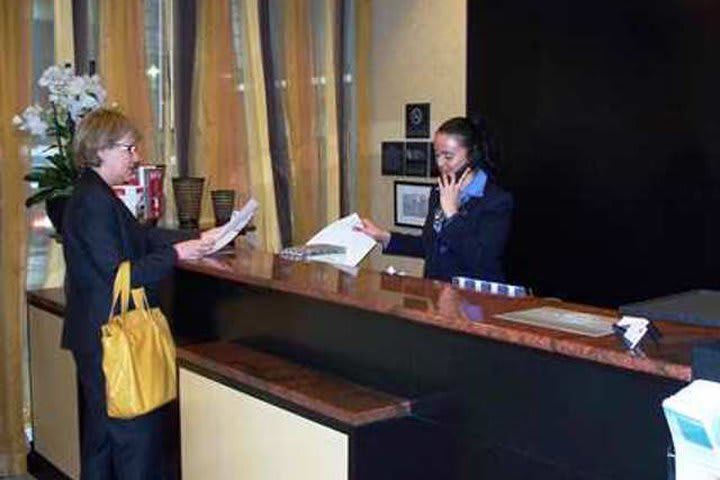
57,130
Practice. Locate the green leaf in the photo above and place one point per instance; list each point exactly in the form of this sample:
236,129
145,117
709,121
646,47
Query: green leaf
62,164
38,197
33,175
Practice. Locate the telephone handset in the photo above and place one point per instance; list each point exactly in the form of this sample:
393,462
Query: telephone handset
460,172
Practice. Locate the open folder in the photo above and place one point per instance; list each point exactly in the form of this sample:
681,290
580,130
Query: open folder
342,233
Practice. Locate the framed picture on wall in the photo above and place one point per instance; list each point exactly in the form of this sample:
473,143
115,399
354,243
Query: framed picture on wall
417,120
411,203
417,155
393,158
434,171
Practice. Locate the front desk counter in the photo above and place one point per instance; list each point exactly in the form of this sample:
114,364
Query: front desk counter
479,397
300,370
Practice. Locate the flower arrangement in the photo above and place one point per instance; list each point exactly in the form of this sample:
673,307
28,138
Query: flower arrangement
69,98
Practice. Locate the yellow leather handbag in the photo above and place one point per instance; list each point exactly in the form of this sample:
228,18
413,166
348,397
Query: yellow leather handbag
138,353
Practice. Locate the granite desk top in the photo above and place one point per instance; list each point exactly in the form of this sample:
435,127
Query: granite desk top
443,306
440,305
327,394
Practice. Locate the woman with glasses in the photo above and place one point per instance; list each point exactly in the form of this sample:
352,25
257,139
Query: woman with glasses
99,232
468,217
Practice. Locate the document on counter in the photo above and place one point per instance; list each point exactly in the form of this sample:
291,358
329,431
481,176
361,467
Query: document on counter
571,321
341,232
237,222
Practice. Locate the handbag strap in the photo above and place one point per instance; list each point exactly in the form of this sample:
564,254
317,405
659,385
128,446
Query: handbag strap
140,299
121,289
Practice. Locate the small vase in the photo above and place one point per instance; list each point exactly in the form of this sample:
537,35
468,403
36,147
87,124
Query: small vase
188,199
223,203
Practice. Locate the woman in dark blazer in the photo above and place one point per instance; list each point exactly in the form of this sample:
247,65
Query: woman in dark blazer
99,232
468,217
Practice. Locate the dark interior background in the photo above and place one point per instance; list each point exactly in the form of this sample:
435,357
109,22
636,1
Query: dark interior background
607,112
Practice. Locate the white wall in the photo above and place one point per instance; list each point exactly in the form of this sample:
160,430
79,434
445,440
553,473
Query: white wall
418,55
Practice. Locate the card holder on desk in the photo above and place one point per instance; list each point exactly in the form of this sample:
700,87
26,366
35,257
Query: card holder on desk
652,333
495,288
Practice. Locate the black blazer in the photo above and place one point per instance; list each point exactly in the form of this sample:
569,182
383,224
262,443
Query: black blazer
471,242
99,232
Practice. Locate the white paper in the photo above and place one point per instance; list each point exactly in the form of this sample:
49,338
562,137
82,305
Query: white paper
341,232
237,222
581,323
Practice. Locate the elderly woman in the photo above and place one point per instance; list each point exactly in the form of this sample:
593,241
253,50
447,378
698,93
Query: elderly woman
99,232
468,216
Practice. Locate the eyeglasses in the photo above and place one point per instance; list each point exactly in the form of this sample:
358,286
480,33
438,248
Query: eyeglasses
128,147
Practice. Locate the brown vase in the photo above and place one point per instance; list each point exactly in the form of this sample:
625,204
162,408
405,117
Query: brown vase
188,200
223,203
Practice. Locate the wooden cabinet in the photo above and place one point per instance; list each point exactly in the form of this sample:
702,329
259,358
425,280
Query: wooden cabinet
251,415
53,393
227,434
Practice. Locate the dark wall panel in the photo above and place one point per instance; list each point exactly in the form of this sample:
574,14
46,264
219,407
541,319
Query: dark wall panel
608,116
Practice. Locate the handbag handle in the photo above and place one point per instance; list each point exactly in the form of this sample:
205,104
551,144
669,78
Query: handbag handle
140,299
121,289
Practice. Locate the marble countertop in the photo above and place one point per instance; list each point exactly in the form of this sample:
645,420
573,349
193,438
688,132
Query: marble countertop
441,305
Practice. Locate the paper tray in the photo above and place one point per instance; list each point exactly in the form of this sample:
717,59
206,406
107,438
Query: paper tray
696,307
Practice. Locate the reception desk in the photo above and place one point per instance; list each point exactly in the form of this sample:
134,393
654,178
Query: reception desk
334,374
488,398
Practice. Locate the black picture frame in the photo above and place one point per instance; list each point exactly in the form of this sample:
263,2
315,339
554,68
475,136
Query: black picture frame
417,120
411,202
417,156
392,158
434,170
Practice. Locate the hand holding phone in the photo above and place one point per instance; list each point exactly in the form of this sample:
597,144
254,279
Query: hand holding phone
450,187
460,171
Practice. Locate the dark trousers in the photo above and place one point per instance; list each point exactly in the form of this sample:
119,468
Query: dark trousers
115,448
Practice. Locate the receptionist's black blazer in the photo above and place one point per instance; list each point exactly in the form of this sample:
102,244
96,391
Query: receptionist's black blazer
470,243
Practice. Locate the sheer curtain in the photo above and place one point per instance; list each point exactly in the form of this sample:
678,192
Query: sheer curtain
228,126
218,135
247,47
358,45
15,85
123,68
305,61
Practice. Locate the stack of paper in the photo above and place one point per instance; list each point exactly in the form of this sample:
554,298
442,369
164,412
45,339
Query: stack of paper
562,319
342,233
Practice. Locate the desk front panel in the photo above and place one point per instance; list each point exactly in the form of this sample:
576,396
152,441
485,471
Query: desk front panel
511,410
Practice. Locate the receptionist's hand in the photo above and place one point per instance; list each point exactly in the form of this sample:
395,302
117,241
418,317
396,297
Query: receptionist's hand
450,188
373,231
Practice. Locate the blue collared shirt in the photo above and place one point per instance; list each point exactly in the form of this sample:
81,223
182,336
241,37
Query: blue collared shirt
476,188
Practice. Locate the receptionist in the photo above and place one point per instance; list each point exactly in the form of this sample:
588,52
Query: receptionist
468,217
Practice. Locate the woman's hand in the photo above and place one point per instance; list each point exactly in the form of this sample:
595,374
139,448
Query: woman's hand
373,231
450,188
193,249
210,235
